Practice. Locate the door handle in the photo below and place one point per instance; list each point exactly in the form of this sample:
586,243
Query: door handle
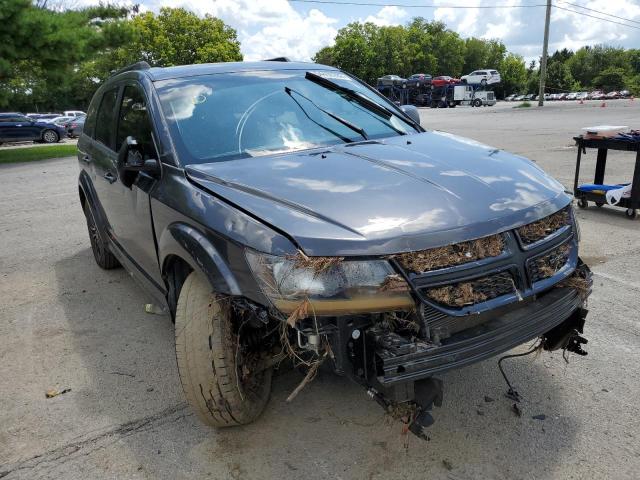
109,177
86,158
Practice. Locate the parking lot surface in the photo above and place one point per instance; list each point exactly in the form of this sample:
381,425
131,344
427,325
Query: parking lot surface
67,324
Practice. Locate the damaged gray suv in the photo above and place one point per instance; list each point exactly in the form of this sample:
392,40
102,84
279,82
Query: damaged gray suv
286,211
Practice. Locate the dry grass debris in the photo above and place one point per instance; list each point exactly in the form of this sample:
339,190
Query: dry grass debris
540,229
317,264
577,282
457,295
394,283
451,255
300,312
550,264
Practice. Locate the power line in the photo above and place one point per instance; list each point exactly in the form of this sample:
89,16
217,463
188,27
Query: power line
597,18
404,5
598,11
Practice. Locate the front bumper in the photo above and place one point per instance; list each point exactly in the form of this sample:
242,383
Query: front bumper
396,361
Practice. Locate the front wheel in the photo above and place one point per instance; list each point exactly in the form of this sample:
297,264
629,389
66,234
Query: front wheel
221,382
477,102
49,136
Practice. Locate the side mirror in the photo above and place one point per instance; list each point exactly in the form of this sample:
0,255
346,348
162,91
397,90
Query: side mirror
131,161
412,112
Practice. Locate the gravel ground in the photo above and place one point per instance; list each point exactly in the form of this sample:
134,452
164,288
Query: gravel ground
67,324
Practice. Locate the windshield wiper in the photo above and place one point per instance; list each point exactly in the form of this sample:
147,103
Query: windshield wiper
359,130
363,100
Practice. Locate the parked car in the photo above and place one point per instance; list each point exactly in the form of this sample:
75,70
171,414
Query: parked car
60,120
612,95
392,80
482,77
510,98
518,98
16,127
528,97
443,80
74,127
596,95
276,236
43,117
422,78
74,113
625,93
582,96
571,96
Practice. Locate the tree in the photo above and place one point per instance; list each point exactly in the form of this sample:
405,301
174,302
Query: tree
612,78
513,73
40,49
559,78
179,37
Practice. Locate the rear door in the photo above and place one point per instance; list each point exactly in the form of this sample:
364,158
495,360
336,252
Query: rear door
101,151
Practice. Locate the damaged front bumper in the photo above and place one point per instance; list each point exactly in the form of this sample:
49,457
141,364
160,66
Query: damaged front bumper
398,359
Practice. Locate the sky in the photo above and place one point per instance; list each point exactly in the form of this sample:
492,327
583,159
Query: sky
270,28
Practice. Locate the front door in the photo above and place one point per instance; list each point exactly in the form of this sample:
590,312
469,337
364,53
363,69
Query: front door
131,218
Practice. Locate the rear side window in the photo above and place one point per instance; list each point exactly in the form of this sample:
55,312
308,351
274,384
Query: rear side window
493,72
105,124
90,121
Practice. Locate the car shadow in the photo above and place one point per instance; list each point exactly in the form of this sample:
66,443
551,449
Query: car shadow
331,430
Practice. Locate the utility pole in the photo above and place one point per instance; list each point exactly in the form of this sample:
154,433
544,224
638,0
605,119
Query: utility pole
543,61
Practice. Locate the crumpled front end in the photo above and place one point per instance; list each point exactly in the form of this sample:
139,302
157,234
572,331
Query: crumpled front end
471,301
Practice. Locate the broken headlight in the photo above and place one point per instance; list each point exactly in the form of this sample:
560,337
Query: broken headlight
331,285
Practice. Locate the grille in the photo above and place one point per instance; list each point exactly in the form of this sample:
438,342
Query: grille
549,264
536,231
451,255
473,291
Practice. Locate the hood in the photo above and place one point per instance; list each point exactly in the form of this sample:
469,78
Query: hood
381,197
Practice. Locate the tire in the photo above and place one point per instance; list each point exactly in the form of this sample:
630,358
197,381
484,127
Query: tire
104,258
483,82
631,213
583,203
477,102
50,136
206,348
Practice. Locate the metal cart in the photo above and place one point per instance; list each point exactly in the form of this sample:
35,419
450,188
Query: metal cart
603,145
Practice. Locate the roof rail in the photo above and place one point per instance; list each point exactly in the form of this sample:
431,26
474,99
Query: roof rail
134,66
277,59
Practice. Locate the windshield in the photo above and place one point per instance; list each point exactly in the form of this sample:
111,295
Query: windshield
250,114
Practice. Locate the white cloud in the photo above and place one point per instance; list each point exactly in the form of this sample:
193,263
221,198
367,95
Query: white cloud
387,16
267,28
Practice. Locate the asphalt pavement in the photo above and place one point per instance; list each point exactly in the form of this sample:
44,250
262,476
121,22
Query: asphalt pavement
66,324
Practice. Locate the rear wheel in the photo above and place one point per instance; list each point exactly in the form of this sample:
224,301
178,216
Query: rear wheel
104,258
222,382
49,136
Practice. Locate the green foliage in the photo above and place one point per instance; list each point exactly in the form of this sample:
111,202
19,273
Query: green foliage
55,60
559,78
513,74
370,51
179,37
611,78
29,154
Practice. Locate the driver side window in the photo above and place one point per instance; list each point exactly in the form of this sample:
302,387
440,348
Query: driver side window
133,121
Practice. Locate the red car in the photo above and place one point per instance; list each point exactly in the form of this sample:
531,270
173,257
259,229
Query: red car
444,80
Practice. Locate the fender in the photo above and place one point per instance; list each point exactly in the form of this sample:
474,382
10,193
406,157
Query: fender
193,247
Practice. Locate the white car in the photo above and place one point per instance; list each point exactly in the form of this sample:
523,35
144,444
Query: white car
482,77
74,113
